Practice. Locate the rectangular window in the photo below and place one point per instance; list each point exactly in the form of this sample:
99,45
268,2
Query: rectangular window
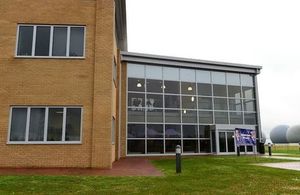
50,41
45,125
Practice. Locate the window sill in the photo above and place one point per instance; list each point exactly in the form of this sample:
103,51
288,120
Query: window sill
44,143
50,57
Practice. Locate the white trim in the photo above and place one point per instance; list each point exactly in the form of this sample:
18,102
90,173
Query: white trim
27,124
63,138
68,41
46,124
33,41
51,40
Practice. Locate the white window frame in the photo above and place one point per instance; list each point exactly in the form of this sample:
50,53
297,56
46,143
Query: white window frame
51,42
45,126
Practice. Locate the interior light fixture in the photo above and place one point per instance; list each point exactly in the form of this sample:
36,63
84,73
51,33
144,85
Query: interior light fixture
184,111
163,87
192,98
190,88
139,84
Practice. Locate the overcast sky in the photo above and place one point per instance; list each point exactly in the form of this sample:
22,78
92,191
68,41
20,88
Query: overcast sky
258,32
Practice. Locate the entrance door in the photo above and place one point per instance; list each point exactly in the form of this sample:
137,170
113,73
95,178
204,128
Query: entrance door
226,142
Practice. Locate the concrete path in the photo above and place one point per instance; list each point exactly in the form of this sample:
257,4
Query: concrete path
124,167
283,165
282,157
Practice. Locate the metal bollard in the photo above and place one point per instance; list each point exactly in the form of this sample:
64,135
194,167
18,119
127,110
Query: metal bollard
238,150
270,150
178,159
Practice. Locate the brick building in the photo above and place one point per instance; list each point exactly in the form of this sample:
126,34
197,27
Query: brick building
72,96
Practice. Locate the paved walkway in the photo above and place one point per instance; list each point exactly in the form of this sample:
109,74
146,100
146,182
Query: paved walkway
283,165
282,157
123,167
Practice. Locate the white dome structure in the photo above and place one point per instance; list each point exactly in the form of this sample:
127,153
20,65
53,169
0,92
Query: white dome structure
278,134
293,134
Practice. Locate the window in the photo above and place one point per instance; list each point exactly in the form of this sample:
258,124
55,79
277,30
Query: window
45,125
50,41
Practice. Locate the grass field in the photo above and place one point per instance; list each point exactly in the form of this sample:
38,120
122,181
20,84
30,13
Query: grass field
205,175
289,149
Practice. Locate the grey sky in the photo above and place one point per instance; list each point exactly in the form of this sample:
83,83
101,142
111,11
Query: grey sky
258,32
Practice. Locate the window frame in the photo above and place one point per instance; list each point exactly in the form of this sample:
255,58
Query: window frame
50,56
45,142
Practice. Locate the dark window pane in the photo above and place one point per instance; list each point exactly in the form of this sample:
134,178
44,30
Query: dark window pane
189,102
248,92
234,91
155,146
36,125
205,117
18,124
55,120
172,131
172,87
235,104
242,149
190,131
249,148
136,131
205,146
154,86
230,142
136,100
188,88
220,104
172,116
154,131
136,84
25,41
189,116
171,145
73,124
220,90
155,115
190,146
236,118
250,118
221,117
59,41
247,80
222,142
154,101
204,131
42,41
136,115
204,89
136,146
249,105
76,41
205,103
172,101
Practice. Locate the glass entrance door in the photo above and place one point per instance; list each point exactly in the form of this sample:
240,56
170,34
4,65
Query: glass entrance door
226,142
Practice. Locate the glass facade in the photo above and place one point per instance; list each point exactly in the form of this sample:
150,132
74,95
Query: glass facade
177,106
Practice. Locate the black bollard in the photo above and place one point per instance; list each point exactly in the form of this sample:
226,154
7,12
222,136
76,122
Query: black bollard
238,150
270,150
178,159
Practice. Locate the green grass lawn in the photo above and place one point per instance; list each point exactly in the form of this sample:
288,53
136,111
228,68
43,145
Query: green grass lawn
285,149
205,175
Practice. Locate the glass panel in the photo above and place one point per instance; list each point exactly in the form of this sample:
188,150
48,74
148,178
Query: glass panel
220,90
171,145
189,102
249,148
55,120
204,89
172,131
203,76
171,74
155,86
205,103
155,131
172,87
154,72
136,100
218,78
206,117
248,92
230,142
236,118
155,146
221,117
136,146
172,101
136,131
247,80
235,104
18,124
187,75
36,125
220,104
136,85
204,131
233,79
73,124
190,146
76,41
60,41
242,148
136,115
172,116
250,118
190,131
205,146
189,116
222,142
154,115
213,138
135,71
42,41
154,101
25,41
249,105
188,88
234,91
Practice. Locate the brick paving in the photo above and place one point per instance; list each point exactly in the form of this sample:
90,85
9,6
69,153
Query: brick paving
132,166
